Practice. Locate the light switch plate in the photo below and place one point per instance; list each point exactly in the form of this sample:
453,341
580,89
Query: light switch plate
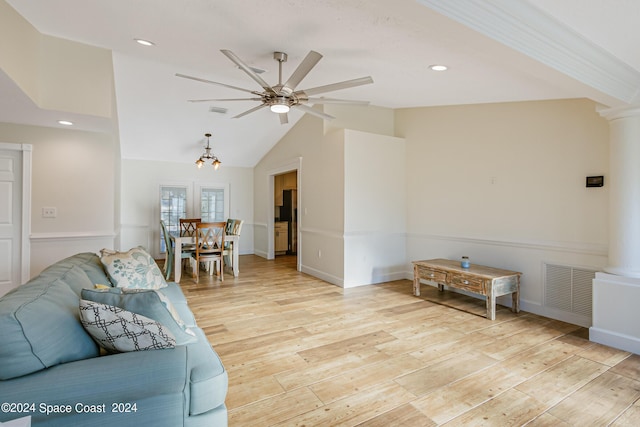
49,212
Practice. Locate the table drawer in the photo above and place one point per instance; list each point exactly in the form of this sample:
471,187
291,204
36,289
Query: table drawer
434,275
471,284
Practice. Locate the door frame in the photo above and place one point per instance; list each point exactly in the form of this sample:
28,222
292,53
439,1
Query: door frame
290,166
25,206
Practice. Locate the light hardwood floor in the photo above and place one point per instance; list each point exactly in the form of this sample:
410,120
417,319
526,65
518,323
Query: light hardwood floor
302,352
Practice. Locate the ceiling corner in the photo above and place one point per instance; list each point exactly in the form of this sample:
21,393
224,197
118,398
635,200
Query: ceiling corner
527,29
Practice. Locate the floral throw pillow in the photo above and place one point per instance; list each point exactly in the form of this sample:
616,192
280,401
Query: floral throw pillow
132,269
118,330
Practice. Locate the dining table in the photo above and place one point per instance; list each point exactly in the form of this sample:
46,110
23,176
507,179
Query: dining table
178,241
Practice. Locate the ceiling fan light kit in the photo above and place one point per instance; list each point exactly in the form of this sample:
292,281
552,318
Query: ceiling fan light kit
208,156
282,97
280,106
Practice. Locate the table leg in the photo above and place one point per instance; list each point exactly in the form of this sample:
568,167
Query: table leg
235,259
416,281
491,306
177,265
515,297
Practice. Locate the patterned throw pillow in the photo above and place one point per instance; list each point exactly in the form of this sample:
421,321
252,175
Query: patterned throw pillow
150,303
132,269
119,330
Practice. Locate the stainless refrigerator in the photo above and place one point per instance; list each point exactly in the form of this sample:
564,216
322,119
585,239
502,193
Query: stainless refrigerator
289,213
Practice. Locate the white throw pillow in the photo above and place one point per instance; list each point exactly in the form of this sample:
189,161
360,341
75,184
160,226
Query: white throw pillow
119,330
132,269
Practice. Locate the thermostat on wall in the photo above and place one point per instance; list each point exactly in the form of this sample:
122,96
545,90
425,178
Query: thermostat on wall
595,181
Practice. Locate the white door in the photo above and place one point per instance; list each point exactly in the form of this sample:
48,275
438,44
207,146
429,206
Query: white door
13,230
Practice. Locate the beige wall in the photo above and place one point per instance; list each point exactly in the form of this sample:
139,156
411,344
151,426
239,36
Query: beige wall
320,196
19,60
375,208
333,155
56,74
73,171
141,180
505,185
526,161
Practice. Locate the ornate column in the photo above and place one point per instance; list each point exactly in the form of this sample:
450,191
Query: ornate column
616,292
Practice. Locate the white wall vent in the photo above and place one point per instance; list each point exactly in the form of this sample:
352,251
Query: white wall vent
568,288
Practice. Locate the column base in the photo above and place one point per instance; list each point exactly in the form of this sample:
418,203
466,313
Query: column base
616,312
625,272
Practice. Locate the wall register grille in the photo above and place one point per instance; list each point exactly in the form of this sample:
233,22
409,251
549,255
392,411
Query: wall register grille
568,289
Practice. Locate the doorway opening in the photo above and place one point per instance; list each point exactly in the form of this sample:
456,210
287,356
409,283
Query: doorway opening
15,214
277,212
285,214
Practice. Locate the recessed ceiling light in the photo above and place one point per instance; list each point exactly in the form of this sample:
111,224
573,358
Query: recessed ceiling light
144,42
438,67
65,122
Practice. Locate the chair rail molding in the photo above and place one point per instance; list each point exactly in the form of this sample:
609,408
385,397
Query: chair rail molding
572,247
61,236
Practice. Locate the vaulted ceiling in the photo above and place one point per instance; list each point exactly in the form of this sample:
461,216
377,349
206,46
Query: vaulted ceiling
496,51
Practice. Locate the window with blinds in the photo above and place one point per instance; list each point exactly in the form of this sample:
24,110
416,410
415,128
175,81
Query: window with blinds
192,200
173,206
212,204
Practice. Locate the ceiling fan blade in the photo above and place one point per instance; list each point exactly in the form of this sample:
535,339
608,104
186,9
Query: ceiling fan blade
225,99
335,101
336,86
301,72
244,67
313,112
250,111
284,118
198,79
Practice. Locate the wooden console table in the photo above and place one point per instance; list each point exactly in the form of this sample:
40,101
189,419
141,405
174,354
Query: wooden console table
488,281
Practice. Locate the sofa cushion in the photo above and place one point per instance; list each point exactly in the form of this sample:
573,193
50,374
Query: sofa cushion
90,264
132,269
120,330
72,275
40,327
150,303
83,270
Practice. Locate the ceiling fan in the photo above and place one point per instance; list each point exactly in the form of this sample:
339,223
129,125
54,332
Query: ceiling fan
281,97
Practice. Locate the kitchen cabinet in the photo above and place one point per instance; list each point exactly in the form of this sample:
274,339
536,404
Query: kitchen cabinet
281,237
290,181
278,185
287,181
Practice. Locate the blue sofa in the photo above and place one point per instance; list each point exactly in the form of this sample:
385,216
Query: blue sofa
53,371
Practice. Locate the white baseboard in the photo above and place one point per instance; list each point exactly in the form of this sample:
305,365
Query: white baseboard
613,339
551,313
262,254
322,275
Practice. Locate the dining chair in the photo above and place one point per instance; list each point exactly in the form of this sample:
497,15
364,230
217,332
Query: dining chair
188,228
233,228
168,261
209,247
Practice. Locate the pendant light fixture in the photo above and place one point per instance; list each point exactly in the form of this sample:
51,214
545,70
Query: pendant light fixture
208,156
